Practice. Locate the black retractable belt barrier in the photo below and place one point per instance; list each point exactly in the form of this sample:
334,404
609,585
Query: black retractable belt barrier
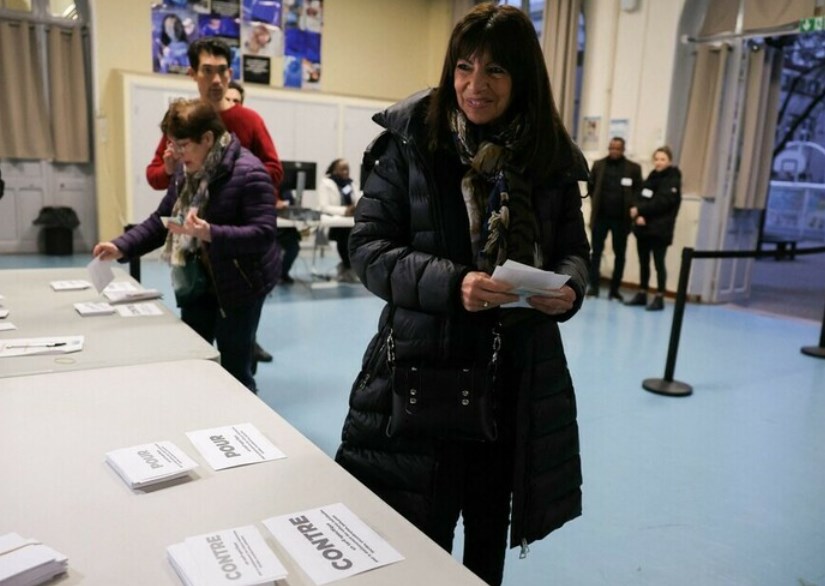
673,388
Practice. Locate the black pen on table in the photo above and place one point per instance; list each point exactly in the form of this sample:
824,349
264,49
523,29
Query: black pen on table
48,345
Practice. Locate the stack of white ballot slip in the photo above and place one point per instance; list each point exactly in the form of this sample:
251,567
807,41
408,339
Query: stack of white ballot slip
149,464
27,562
237,556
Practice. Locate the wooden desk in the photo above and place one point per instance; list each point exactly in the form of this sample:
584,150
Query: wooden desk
56,428
111,340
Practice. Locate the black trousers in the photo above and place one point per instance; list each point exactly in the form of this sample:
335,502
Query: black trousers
618,228
657,248
474,480
341,237
290,241
234,333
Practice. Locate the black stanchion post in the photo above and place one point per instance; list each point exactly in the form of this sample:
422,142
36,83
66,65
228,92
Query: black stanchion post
668,386
817,351
134,264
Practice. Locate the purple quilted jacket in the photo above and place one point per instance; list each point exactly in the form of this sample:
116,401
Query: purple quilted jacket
244,256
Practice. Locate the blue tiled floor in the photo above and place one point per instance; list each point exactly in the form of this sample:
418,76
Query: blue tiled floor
725,487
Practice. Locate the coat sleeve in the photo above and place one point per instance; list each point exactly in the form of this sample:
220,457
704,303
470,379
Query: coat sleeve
254,229
156,171
150,233
381,244
664,202
571,249
263,147
329,198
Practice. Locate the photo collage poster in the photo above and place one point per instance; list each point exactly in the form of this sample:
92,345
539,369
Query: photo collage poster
266,37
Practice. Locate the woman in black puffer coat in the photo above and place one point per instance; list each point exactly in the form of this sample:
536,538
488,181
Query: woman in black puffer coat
474,173
654,218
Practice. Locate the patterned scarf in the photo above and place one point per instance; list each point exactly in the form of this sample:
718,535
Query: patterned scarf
496,195
193,191
346,194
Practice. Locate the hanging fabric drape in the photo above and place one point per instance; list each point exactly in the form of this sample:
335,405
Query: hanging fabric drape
67,85
560,43
699,159
758,127
722,15
24,120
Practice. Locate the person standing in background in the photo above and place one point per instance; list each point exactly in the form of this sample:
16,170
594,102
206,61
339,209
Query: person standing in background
222,248
467,176
209,67
654,219
613,184
235,94
337,197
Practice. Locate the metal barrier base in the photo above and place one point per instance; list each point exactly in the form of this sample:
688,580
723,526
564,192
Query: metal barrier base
671,388
815,351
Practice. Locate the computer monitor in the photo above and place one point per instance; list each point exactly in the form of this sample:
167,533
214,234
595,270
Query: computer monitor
298,176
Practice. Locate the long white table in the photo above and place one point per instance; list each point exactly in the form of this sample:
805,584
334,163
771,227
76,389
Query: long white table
110,340
56,428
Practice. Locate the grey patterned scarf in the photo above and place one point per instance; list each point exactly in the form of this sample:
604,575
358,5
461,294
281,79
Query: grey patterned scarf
193,192
497,196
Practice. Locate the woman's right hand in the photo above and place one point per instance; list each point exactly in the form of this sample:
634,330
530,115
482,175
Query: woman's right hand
106,251
170,158
479,291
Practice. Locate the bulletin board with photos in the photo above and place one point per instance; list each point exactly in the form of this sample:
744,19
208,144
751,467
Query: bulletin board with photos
273,42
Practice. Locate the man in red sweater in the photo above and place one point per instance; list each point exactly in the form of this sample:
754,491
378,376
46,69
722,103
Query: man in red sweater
209,66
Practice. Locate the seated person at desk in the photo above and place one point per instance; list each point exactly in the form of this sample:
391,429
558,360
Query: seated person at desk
220,239
337,197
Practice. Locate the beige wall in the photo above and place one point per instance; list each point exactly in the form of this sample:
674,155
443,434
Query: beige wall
628,65
384,49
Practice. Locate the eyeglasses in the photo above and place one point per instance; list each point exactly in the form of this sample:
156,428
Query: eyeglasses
211,70
180,146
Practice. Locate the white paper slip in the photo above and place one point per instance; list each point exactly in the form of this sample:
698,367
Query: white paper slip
527,281
36,346
74,285
27,561
138,310
90,308
126,292
234,445
148,464
100,272
350,546
7,326
237,556
4,313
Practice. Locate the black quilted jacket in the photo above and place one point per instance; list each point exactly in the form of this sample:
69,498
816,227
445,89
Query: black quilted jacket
404,252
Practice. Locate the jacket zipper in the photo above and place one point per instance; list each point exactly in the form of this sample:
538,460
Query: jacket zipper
240,270
427,172
208,264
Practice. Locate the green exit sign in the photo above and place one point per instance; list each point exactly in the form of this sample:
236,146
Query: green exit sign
813,24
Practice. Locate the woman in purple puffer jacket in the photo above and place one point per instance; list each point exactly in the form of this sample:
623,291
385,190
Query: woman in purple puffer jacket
217,226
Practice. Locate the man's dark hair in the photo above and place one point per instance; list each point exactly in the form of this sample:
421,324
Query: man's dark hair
618,139
211,46
234,85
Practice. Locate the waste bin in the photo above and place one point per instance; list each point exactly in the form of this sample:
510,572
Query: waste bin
57,224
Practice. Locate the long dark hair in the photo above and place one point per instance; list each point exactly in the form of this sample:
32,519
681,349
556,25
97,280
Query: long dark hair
508,36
